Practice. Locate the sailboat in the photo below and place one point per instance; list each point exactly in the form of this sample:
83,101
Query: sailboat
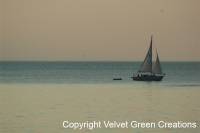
149,70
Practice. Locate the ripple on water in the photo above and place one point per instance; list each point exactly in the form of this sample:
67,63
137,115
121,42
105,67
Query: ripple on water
19,116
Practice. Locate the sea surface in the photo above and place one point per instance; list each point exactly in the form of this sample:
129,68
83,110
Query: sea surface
36,97
178,74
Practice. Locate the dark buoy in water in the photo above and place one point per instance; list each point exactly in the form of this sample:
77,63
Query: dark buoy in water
117,78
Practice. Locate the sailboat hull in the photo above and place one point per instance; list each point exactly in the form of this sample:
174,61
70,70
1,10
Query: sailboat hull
148,77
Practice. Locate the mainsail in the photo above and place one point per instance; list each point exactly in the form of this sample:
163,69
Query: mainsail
157,67
147,63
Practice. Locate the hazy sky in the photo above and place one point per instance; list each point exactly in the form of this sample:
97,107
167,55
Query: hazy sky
99,29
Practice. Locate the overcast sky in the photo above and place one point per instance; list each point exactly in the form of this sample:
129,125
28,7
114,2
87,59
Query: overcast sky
99,29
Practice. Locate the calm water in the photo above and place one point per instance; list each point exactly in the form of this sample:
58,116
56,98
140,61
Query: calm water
35,97
178,74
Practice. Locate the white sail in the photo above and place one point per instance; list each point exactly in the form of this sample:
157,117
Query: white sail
147,64
157,67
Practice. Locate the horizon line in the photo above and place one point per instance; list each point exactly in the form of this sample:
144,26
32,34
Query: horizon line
94,61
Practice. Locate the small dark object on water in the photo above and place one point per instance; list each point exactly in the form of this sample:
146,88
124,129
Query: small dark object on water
117,78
